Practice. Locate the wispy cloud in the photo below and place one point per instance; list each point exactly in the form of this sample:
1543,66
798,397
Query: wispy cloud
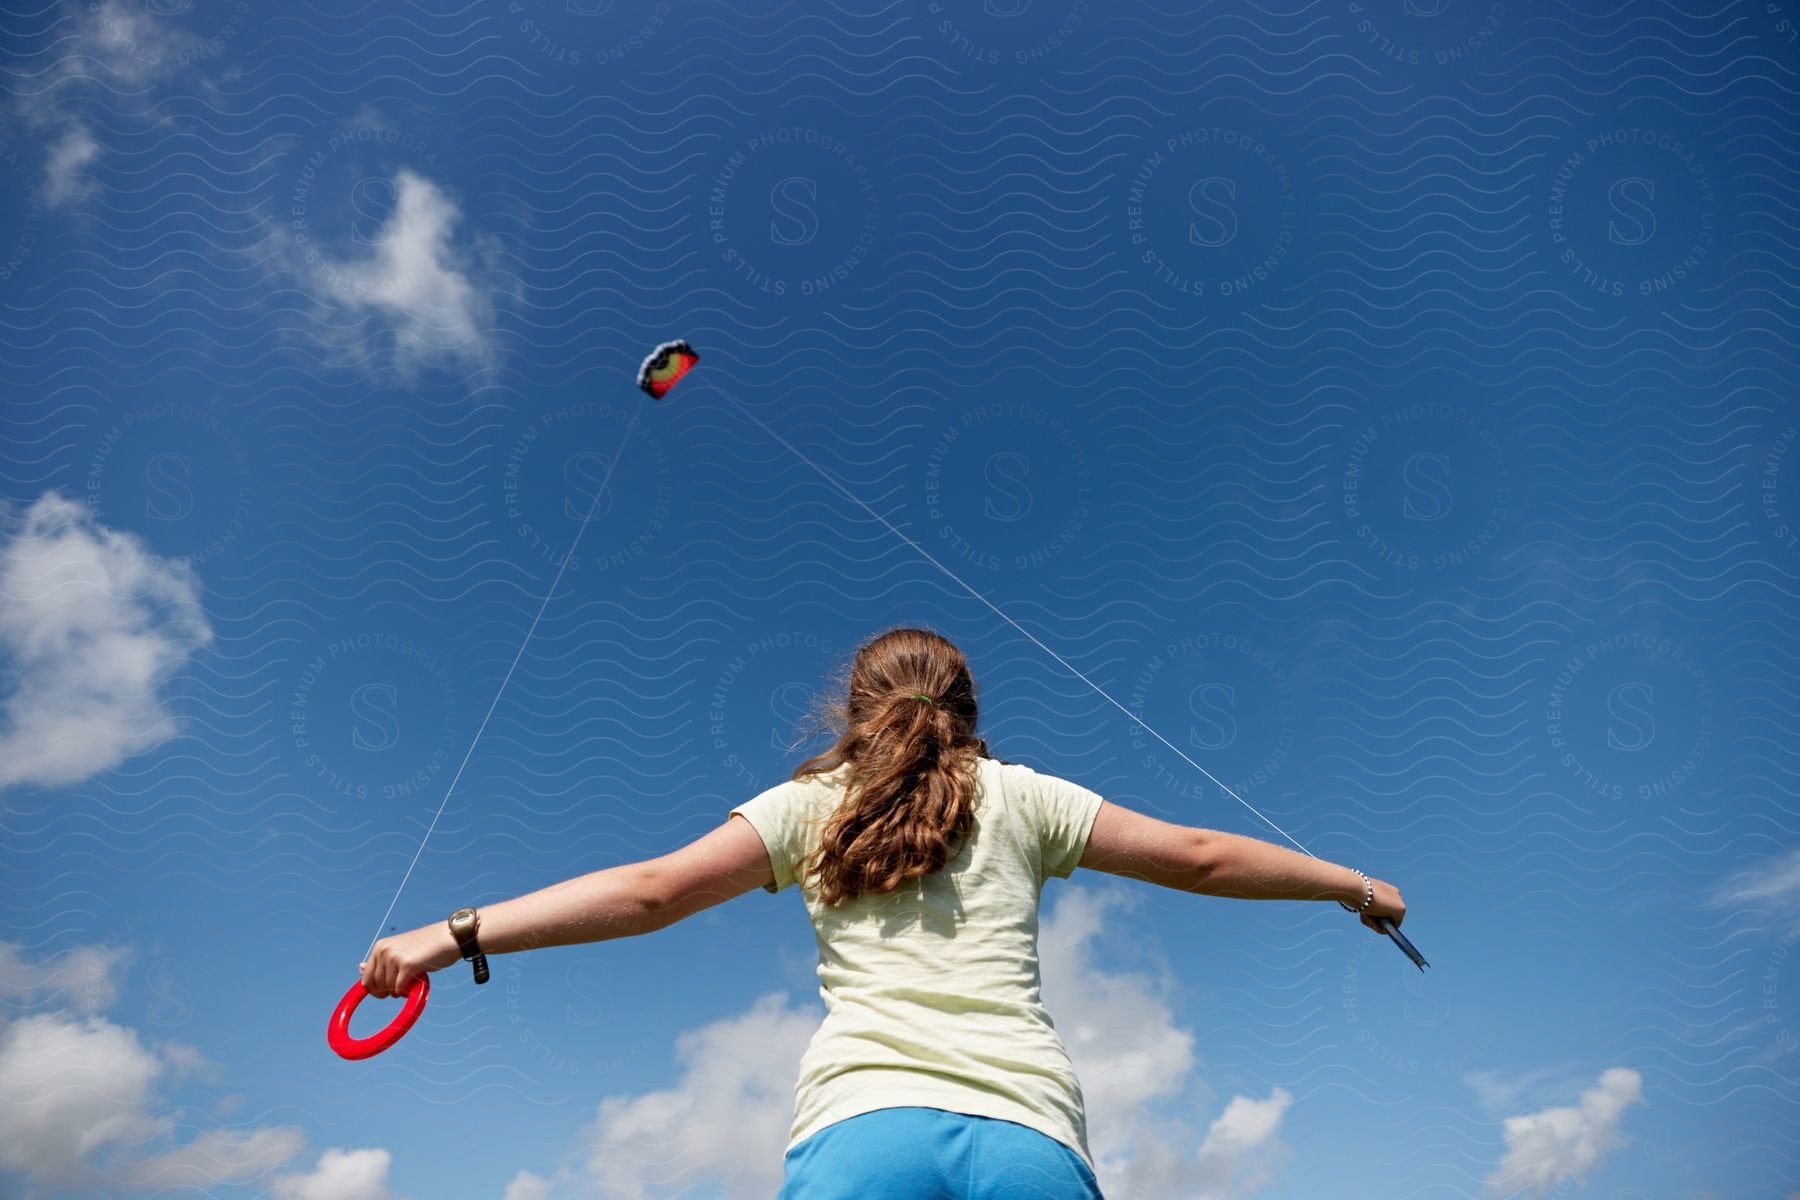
1773,885
65,178
414,279
104,50
1553,1146
1502,1093
92,625
414,293
81,978
218,1156
121,43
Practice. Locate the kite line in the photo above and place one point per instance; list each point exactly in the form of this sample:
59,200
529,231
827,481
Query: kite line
660,371
469,753
1387,926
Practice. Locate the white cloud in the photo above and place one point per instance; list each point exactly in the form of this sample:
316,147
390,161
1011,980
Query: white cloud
184,1059
413,279
109,49
64,180
1120,1034
1129,1052
217,1156
1774,884
70,1090
726,1119
79,1107
1553,1146
81,978
411,283
339,1175
1241,1151
1502,1093
526,1186
91,626
123,43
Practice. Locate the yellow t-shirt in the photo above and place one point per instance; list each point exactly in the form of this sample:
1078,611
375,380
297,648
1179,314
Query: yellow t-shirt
931,990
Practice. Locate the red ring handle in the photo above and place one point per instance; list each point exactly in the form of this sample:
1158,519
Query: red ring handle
338,1032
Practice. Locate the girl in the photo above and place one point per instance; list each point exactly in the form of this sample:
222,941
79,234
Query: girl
937,1073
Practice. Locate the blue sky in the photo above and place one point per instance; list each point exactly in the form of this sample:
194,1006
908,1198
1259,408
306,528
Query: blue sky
1391,405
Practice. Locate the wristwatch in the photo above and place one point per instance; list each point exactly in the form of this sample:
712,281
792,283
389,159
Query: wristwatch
463,924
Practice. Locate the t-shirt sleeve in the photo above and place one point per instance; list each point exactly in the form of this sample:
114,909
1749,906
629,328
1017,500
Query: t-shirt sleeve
1064,814
779,815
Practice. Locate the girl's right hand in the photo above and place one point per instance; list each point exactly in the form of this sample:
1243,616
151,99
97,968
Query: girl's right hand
1387,904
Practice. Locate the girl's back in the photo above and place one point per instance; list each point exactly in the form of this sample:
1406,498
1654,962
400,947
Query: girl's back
932,989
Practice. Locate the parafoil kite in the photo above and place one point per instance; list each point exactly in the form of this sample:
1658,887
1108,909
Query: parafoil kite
665,366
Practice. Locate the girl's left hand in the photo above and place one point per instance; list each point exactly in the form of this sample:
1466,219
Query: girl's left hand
395,961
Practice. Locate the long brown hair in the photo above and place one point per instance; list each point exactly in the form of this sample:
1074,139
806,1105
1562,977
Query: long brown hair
912,779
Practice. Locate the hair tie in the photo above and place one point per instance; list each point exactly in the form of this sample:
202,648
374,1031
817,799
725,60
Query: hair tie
921,696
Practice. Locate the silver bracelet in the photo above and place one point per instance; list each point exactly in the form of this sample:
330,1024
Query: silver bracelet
1369,899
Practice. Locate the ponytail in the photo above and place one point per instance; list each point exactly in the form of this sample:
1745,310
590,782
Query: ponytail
906,729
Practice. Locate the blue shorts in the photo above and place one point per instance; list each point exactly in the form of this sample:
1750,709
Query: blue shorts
916,1153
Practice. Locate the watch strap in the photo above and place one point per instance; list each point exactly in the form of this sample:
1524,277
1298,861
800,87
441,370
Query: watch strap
465,934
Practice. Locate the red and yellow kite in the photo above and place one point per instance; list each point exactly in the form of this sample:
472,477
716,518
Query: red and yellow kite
665,366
